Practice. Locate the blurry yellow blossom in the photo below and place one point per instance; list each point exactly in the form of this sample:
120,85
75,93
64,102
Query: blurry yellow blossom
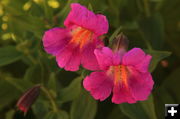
5,18
4,26
26,6
53,3
1,11
4,2
6,36
38,1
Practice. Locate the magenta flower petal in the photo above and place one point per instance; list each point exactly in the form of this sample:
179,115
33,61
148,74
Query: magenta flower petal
144,65
81,16
141,85
104,57
99,85
69,58
55,39
88,58
133,57
122,94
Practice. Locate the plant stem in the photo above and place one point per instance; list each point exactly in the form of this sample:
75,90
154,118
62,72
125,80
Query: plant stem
146,8
51,99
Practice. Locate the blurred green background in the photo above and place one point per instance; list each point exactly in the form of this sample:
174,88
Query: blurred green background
153,25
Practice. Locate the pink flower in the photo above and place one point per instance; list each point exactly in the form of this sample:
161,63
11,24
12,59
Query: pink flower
75,44
123,73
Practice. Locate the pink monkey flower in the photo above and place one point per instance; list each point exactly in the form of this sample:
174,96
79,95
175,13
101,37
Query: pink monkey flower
75,44
125,74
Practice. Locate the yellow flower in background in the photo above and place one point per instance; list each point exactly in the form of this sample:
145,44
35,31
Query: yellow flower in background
38,1
1,11
4,26
53,3
6,36
27,6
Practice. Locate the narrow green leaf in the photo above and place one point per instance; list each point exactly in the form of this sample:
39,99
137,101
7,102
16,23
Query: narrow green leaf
84,107
72,91
157,56
116,32
8,55
140,110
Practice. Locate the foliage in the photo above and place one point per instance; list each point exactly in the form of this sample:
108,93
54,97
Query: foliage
149,24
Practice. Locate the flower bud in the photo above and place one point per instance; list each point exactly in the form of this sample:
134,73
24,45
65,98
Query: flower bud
120,43
28,98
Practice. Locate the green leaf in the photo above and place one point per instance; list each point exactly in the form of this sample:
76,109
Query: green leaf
157,56
8,93
72,91
52,83
140,110
21,85
10,114
84,107
152,29
40,108
57,115
8,55
117,114
34,74
116,32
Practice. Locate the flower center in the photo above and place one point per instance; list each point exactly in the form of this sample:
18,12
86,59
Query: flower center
120,74
81,36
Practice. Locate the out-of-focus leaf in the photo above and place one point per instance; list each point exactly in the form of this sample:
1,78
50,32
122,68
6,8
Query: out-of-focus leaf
172,84
57,115
52,84
27,23
168,92
34,74
140,110
8,55
117,114
84,107
40,108
72,91
152,29
133,25
20,84
8,93
10,114
157,56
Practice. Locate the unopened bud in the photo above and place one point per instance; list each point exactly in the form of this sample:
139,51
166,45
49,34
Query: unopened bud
28,98
120,42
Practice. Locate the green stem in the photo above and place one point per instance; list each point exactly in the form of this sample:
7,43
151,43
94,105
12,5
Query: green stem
51,99
146,8
31,58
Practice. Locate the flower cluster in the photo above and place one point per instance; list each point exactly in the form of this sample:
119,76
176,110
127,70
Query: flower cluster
123,73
